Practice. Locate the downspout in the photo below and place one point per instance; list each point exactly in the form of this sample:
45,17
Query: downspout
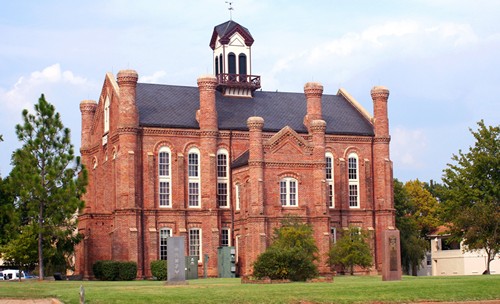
141,188
231,185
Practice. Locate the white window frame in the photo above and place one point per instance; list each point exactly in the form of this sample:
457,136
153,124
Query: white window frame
195,245
165,179
353,177
288,198
333,234
223,199
164,234
106,114
227,231
329,179
194,187
237,196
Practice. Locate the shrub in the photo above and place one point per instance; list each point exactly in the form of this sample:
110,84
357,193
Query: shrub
351,250
159,269
127,271
110,270
97,269
280,264
291,255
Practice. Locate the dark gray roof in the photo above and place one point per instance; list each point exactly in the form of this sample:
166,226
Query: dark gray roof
175,107
228,26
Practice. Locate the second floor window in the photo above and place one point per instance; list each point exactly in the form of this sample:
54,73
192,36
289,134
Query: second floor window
288,192
194,178
164,177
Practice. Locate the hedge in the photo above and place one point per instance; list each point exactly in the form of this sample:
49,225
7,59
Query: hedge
109,270
159,269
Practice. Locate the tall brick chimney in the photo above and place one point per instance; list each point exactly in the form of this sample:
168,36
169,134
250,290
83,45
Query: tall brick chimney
207,114
128,114
313,92
382,171
87,108
380,95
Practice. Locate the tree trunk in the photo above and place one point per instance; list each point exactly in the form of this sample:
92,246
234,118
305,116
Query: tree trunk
40,242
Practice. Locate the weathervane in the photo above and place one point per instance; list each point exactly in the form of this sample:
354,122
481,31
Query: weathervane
230,8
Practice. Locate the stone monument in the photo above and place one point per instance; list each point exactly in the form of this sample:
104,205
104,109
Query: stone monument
391,260
176,260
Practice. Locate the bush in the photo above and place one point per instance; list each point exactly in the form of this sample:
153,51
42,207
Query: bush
127,271
159,269
291,255
114,270
281,264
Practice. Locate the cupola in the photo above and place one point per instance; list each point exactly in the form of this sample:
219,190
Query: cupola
231,44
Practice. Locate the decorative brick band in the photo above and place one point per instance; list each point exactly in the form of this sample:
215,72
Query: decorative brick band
127,78
384,140
380,92
207,83
313,89
255,123
318,126
88,106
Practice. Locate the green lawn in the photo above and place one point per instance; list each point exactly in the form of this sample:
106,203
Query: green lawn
357,289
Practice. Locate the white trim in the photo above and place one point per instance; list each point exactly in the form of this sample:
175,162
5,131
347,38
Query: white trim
193,173
353,178
165,176
287,186
330,175
223,179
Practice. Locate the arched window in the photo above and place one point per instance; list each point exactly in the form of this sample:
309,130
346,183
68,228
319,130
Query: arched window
222,179
242,64
164,177
231,62
288,192
164,234
194,177
216,66
106,115
353,176
329,179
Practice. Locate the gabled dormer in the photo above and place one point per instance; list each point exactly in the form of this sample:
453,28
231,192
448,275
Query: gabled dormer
231,44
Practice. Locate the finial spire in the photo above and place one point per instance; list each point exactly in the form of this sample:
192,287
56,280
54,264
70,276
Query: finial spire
230,8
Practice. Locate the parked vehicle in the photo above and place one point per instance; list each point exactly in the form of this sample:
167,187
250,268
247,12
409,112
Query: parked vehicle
12,274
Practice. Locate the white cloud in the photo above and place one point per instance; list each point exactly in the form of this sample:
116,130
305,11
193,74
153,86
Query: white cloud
408,147
26,90
155,78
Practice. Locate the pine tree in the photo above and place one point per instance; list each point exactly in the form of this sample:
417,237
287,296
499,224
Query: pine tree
49,181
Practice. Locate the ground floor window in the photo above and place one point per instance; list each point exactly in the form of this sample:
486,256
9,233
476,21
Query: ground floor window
164,234
225,239
195,242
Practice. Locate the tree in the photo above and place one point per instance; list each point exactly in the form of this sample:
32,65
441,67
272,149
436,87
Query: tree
413,244
351,250
50,181
473,205
291,255
7,209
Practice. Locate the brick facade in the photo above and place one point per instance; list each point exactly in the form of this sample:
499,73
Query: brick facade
122,218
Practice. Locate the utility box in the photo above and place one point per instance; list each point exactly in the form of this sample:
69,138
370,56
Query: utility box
191,267
226,262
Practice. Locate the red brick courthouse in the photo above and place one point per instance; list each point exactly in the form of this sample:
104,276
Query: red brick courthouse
222,163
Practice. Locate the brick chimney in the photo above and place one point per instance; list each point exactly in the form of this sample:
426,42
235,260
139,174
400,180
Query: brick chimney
380,95
313,92
87,108
128,114
207,114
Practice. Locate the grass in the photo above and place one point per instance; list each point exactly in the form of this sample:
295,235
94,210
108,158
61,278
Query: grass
356,289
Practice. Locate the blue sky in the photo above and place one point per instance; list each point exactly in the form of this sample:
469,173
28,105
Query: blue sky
439,59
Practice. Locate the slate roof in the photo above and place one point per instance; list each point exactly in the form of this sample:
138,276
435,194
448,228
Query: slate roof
228,26
172,106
